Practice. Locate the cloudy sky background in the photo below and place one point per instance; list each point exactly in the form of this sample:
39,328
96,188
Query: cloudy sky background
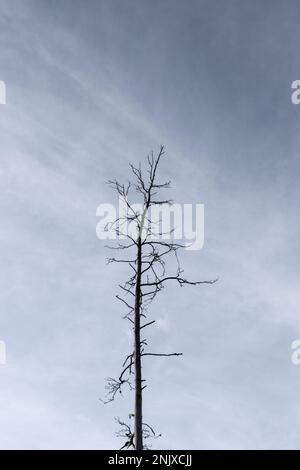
91,86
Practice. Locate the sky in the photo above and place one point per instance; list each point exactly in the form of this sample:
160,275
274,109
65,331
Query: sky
92,86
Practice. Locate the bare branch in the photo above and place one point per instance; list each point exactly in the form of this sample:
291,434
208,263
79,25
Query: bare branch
161,354
180,280
147,324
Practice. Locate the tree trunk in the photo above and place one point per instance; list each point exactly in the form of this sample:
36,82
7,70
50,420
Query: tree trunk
138,431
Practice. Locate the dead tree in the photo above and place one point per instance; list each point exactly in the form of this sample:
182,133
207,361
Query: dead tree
146,253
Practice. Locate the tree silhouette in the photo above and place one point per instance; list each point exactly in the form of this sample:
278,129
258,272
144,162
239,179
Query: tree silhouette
146,252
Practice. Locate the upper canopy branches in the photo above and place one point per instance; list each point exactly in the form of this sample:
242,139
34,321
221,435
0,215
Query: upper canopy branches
146,232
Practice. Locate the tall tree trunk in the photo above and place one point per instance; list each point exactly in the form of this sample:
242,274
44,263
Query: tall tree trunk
138,431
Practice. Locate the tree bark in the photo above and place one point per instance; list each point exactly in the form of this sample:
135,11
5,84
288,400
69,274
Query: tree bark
138,428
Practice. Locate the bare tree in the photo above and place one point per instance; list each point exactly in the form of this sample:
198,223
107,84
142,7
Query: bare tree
146,251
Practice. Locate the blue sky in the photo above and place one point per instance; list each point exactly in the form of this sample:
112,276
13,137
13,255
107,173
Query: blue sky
92,86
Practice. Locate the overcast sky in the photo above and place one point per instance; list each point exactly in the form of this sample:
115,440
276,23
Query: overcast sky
91,86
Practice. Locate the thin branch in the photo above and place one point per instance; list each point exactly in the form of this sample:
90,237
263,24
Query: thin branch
161,354
147,324
180,280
